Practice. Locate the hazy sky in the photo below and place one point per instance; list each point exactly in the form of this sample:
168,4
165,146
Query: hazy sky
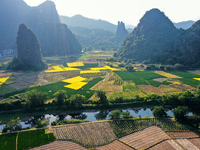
128,11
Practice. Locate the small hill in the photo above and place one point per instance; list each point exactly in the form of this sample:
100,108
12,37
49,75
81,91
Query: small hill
154,34
81,21
157,40
184,24
28,51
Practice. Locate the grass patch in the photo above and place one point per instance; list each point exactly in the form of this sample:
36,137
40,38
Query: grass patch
33,138
190,81
185,74
8,141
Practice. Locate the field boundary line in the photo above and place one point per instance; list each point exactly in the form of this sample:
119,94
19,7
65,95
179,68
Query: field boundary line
126,144
17,141
156,143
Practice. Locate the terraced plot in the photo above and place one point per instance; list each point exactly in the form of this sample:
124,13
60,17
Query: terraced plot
88,134
116,145
186,144
168,75
166,145
145,138
195,141
60,145
182,134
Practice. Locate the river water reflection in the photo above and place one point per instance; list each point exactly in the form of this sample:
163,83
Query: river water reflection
87,115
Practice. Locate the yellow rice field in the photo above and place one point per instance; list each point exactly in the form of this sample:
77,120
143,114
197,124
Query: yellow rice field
76,85
104,68
89,71
168,75
197,79
75,64
3,80
75,79
57,69
70,69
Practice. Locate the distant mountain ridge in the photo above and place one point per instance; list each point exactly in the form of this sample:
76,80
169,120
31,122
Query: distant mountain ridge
184,24
157,40
13,13
81,21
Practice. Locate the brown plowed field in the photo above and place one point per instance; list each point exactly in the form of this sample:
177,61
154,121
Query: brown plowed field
91,134
187,144
182,134
60,145
116,145
145,138
163,146
195,141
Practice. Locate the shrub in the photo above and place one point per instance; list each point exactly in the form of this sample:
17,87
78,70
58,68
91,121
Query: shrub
159,112
180,113
115,114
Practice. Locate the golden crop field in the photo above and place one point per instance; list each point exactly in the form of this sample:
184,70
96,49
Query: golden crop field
76,85
105,68
75,64
74,80
70,69
197,79
168,75
56,69
3,80
89,71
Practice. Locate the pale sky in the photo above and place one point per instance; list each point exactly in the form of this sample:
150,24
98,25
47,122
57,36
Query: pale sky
128,11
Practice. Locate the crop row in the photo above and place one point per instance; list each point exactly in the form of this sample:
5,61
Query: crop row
87,134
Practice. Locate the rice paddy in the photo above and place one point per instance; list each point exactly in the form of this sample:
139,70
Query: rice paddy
76,85
168,75
3,80
75,64
75,79
89,71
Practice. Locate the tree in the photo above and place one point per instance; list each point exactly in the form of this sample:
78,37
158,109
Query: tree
77,100
60,97
179,67
159,112
126,114
129,67
35,99
13,125
115,114
102,96
41,123
180,113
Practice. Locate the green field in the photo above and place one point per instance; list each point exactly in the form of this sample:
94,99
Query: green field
140,77
50,89
34,138
8,141
25,140
185,74
147,75
190,81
